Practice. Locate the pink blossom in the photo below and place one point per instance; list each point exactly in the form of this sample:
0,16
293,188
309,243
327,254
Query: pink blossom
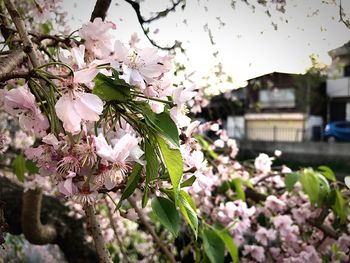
263,163
141,66
98,38
264,235
67,187
256,252
121,150
179,116
274,204
74,57
21,102
75,106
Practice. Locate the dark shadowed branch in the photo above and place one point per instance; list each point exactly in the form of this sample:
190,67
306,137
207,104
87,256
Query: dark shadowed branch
100,9
143,22
70,232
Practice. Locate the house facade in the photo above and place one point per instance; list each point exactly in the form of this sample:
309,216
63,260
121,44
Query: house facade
338,84
280,107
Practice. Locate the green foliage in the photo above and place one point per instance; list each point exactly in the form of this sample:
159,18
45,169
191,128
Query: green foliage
290,180
46,28
173,162
213,245
311,184
228,241
236,185
188,182
20,166
328,173
339,206
132,183
162,124
152,163
167,214
188,210
109,89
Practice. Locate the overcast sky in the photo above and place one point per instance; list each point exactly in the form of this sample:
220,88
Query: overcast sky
247,43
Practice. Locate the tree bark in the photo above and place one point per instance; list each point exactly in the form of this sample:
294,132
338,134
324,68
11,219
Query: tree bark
95,230
100,9
71,237
34,231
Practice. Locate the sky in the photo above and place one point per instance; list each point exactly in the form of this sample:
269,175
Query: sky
247,44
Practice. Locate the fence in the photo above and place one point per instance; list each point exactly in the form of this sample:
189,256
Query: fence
276,134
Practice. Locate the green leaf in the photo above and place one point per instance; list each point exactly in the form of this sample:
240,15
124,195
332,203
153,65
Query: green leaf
213,245
131,185
339,206
188,210
46,28
167,214
228,241
236,185
19,167
163,124
205,146
328,173
324,188
152,163
145,197
173,162
188,182
31,167
109,89
290,180
311,184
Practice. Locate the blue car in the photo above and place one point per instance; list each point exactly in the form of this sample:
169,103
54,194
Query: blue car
337,131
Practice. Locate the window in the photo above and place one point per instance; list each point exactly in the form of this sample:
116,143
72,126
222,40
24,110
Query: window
277,98
347,71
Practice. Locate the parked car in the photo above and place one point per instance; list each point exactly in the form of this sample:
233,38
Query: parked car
337,131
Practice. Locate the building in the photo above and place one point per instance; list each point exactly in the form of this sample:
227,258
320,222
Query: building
284,107
338,84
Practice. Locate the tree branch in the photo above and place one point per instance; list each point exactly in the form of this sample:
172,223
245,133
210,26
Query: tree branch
4,23
341,16
11,61
100,9
150,229
95,230
70,231
19,24
142,21
23,74
34,231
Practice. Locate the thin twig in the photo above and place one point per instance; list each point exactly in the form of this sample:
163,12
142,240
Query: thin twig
142,22
120,244
95,230
341,15
150,229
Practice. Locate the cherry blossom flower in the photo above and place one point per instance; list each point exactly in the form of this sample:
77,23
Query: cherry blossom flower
256,252
67,187
98,38
21,102
263,163
140,66
75,105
